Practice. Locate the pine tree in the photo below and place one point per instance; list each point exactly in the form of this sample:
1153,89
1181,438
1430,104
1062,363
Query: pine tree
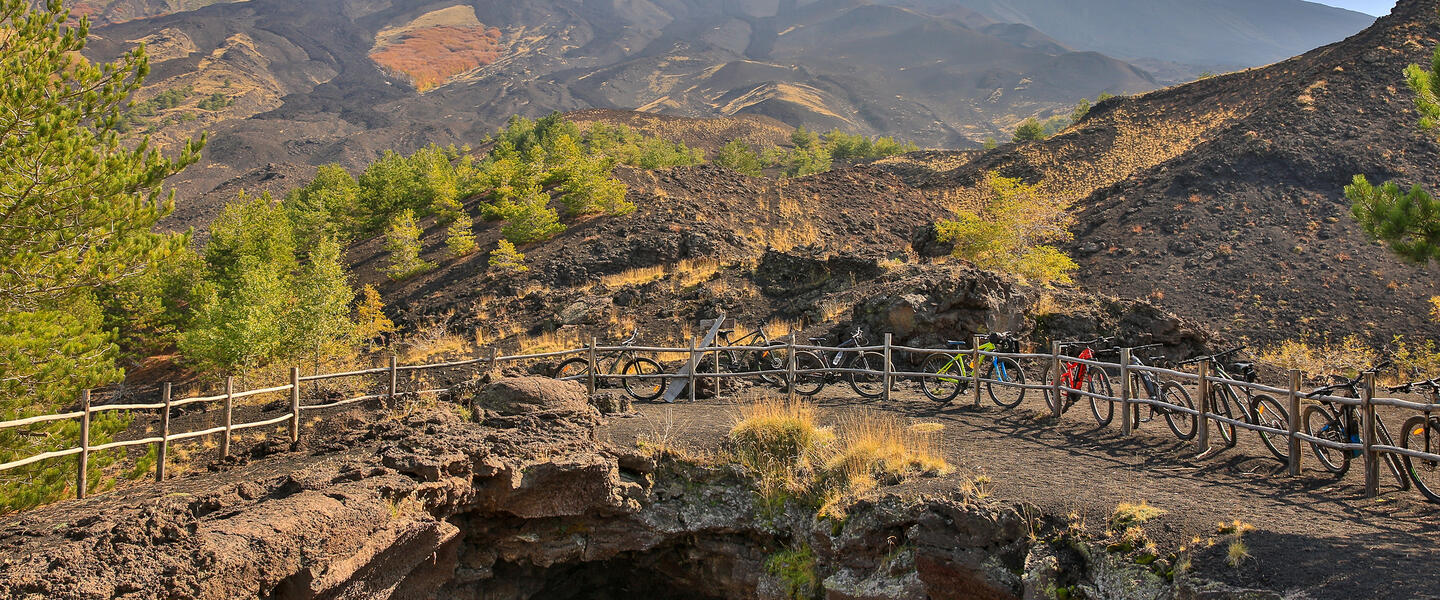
1409,222
1010,231
370,320
1032,130
80,207
460,237
328,206
739,156
320,324
403,242
506,258
531,219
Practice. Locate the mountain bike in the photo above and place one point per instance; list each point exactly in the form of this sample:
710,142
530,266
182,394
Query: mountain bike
867,385
1336,422
742,361
622,362
1182,424
1074,374
959,368
1256,409
1422,432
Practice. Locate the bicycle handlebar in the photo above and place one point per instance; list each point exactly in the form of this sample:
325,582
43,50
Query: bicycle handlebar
1214,357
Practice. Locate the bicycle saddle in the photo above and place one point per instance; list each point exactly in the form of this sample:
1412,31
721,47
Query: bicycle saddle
956,343
816,339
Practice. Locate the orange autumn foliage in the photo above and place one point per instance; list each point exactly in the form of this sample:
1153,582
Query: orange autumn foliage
430,56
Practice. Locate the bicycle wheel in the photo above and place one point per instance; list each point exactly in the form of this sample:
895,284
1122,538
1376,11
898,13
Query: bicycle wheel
1181,424
645,388
1321,423
1098,382
1392,461
871,383
942,389
1225,404
1047,378
1004,370
1267,411
808,384
773,358
1422,434
575,367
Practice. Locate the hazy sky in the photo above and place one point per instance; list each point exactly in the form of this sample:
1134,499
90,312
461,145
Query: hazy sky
1374,7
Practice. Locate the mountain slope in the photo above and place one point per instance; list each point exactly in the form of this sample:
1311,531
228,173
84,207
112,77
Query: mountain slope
1222,199
1219,34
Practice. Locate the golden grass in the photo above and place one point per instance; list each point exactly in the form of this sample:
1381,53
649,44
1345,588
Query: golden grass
1129,514
1346,357
771,433
830,310
695,271
640,276
685,273
876,448
778,328
550,341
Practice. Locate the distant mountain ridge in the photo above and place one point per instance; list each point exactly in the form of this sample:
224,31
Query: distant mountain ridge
1224,34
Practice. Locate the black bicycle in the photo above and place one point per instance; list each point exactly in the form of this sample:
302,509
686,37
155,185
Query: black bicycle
1422,433
763,362
649,386
1256,409
1182,424
1338,423
868,383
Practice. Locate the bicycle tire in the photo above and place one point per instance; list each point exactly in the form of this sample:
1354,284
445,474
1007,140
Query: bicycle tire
1103,410
1320,422
1049,394
1267,411
1225,402
808,384
648,388
1010,372
1174,393
1397,468
574,367
871,384
1424,473
942,389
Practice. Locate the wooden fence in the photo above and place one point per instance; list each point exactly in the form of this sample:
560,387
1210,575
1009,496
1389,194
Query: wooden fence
1369,446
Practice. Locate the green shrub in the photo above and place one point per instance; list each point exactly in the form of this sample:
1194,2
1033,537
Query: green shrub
1031,130
506,258
739,156
1010,230
460,237
796,570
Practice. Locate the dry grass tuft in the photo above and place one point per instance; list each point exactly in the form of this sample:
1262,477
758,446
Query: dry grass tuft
878,448
1129,514
550,341
774,434
1345,357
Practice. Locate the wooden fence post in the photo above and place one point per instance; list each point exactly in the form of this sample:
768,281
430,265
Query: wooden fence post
394,379
888,374
1057,405
694,366
82,477
1294,425
975,368
716,362
162,447
1367,434
790,366
294,405
229,416
1202,422
593,366
1125,392
490,366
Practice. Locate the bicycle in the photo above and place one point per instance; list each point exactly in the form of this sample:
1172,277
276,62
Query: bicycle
997,370
1169,392
1261,409
765,362
1422,432
623,362
1336,422
867,385
1075,374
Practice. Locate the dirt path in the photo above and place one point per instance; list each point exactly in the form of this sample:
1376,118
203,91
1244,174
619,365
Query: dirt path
1315,537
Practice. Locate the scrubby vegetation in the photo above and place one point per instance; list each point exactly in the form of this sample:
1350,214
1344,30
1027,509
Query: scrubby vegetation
1009,229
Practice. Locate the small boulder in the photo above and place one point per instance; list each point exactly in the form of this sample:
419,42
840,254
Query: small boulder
523,395
612,402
